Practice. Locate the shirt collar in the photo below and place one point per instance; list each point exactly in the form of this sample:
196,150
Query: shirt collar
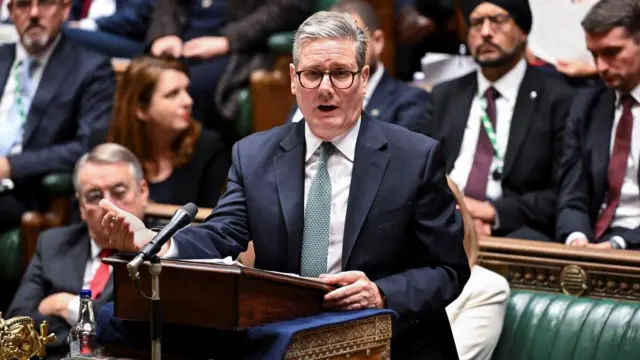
95,249
635,94
374,80
345,143
22,54
507,85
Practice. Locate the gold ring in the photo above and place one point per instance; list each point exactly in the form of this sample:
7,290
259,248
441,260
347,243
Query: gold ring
113,220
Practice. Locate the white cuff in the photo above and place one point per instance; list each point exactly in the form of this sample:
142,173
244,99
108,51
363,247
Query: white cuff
496,223
88,24
73,310
619,240
172,251
574,235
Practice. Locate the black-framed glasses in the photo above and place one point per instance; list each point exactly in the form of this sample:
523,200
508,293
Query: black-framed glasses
495,21
118,193
340,78
27,4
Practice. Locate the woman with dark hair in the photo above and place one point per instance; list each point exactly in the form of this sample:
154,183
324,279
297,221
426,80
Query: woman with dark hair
182,161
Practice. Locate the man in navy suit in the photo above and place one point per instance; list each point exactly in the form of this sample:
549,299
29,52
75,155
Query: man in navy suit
599,200
68,259
359,203
118,30
387,99
55,97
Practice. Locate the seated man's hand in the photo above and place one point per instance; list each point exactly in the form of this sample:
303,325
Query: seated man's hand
167,45
5,168
579,241
482,228
56,305
602,245
480,210
576,68
356,292
125,231
206,47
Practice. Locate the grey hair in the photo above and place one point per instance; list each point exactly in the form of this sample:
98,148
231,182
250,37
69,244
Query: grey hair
108,153
608,14
331,25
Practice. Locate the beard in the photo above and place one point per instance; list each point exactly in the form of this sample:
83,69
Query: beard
38,42
504,58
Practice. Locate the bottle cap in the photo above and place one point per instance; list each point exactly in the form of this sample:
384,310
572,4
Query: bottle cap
85,294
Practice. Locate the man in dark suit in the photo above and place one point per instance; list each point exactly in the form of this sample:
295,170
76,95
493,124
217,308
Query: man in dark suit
55,97
222,42
116,32
501,127
387,99
356,202
599,200
68,259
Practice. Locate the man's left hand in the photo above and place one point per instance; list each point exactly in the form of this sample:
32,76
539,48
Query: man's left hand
5,168
356,292
56,305
206,47
480,210
602,245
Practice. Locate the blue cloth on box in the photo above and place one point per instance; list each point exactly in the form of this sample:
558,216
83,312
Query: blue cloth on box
263,342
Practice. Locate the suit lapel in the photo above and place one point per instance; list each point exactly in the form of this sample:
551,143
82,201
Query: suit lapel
53,76
602,119
80,253
454,126
378,102
526,104
371,159
7,56
289,169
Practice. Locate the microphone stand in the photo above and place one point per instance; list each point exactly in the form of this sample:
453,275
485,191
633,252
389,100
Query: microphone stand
156,315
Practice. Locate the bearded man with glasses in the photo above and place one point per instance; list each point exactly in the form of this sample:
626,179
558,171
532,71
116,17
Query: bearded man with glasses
68,259
502,126
341,197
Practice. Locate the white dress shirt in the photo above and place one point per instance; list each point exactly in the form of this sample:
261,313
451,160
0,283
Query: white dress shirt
73,308
627,213
374,80
8,95
340,167
98,9
508,86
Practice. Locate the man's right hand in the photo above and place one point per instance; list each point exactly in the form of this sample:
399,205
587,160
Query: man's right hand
167,45
579,241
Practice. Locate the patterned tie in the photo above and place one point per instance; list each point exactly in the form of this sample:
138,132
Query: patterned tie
101,276
617,165
11,131
479,175
317,219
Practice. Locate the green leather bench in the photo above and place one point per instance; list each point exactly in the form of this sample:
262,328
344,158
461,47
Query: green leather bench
546,326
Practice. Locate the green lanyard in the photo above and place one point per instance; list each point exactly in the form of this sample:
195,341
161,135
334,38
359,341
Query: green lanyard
491,134
19,100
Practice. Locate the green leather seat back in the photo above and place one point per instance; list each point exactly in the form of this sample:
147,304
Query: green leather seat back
545,326
324,4
10,256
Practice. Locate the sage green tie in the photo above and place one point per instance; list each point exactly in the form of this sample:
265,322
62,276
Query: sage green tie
317,219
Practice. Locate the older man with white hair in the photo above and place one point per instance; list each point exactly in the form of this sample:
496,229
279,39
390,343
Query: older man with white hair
356,202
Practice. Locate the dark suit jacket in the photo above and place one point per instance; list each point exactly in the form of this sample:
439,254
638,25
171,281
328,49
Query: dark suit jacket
531,168
250,24
396,102
585,161
402,228
199,181
58,265
131,19
74,99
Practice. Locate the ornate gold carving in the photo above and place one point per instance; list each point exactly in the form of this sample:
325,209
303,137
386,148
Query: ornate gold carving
618,287
20,341
534,278
346,340
574,280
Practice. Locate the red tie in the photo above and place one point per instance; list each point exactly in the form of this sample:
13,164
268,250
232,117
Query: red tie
86,4
101,276
479,175
617,166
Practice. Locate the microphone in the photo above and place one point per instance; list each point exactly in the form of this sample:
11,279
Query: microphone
181,218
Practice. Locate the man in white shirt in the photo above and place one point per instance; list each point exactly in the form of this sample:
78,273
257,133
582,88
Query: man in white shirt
68,259
354,202
501,126
599,200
